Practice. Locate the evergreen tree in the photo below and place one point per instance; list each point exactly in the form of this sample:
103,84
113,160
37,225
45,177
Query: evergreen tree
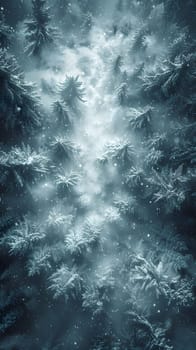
21,167
40,35
72,92
5,31
19,114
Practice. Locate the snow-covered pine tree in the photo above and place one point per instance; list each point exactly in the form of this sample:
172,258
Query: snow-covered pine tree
19,113
40,35
5,31
72,92
21,166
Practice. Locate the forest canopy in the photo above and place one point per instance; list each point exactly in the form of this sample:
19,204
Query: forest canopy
97,180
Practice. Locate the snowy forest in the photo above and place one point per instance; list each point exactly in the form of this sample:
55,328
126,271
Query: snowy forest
97,174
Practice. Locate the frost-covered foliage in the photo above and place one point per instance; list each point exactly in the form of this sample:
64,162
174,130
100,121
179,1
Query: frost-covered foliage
63,149
5,31
21,165
40,35
72,91
170,189
142,122
21,238
19,112
172,78
119,152
65,282
66,181
97,176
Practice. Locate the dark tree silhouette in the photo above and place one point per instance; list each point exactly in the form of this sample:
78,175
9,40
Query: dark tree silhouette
40,35
5,31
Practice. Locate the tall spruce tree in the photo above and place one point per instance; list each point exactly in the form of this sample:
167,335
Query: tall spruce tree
5,31
19,114
21,166
40,35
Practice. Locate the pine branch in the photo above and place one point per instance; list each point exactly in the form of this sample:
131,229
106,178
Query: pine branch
66,182
121,153
72,92
39,34
142,122
39,261
22,165
18,101
58,220
5,31
170,189
63,149
65,282
22,238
